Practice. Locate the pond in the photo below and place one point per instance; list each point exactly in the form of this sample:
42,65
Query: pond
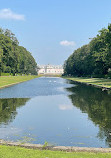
56,111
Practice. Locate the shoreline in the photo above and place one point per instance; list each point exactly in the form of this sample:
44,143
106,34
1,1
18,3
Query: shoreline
56,148
83,81
9,85
21,81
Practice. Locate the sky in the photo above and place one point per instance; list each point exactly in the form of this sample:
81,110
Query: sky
52,30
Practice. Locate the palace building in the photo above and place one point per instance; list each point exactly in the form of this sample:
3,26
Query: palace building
50,69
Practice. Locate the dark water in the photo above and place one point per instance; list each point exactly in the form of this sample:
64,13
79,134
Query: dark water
58,111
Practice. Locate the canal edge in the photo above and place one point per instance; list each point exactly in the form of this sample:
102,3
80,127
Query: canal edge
89,84
56,148
12,84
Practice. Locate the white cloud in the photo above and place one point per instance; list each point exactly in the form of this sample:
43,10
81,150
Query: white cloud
65,107
9,14
67,43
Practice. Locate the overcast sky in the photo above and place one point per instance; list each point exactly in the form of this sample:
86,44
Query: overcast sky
52,29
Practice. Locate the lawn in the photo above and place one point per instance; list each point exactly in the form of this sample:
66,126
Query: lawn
93,81
20,152
6,81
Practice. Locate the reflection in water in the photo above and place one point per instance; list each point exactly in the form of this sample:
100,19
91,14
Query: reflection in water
65,107
49,114
8,108
97,105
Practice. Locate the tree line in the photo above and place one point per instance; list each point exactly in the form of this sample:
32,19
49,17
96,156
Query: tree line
93,59
15,59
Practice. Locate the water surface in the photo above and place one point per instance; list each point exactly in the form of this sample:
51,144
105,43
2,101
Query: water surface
55,110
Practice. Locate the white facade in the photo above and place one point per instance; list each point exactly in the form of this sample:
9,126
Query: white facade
50,69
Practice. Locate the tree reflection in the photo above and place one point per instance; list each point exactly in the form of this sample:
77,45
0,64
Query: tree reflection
97,105
8,108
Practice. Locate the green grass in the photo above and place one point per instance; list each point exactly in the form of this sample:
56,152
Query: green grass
94,81
20,152
10,80
6,74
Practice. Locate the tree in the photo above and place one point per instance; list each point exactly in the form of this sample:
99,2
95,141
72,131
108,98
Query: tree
93,59
15,58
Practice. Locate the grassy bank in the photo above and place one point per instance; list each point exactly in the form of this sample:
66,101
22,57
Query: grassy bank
106,83
6,81
20,152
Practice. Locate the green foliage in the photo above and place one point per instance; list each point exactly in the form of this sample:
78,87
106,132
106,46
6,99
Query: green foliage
45,145
14,58
93,59
6,74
